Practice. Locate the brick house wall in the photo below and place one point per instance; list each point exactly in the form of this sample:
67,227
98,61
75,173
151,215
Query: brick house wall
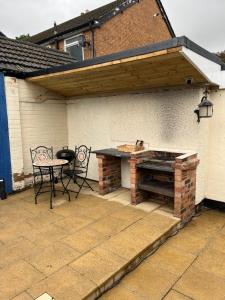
133,28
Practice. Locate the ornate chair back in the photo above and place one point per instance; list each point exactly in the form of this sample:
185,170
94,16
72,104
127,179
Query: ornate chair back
82,157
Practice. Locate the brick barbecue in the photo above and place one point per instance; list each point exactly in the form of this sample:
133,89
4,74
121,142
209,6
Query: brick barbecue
157,174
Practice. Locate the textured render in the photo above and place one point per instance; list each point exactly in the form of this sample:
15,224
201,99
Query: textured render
14,124
215,188
164,120
36,117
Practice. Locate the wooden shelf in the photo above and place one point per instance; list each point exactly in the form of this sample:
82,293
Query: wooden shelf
158,187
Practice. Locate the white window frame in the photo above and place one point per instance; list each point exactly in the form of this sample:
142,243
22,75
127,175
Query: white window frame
74,43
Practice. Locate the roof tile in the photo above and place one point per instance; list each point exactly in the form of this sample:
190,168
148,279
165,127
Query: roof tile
21,57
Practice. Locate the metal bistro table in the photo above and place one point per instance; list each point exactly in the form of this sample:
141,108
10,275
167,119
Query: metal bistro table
50,164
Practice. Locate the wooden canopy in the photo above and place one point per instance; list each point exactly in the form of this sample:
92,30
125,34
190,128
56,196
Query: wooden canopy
160,69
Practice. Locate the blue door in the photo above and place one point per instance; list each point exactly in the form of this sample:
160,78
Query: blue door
5,162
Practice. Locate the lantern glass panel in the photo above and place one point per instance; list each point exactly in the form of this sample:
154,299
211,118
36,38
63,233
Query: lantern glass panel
210,111
203,111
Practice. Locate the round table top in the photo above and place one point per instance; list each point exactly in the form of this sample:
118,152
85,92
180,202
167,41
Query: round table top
51,163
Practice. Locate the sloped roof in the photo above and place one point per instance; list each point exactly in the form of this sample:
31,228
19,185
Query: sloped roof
100,14
75,23
19,57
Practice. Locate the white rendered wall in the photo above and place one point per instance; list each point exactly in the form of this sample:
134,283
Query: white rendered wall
36,117
215,187
164,120
14,124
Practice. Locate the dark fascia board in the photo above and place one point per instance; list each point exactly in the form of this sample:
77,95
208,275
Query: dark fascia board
58,36
172,43
165,18
65,35
13,73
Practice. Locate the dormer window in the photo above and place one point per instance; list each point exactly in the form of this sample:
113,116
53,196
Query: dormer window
73,46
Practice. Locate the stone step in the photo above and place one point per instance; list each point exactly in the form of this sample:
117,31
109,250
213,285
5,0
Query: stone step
108,263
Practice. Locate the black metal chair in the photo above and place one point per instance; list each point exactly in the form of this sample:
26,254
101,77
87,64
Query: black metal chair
38,154
79,169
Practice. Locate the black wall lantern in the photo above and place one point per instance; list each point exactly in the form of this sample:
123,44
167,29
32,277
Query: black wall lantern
205,108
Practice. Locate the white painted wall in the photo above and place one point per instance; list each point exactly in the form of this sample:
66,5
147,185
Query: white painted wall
14,124
164,120
36,117
215,187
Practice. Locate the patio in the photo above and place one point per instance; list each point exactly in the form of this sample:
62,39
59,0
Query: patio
82,248
79,249
190,265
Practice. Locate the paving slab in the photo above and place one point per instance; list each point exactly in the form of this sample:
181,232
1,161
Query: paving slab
98,265
174,295
218,243
44,236
73,224
44,218
78,250
15,251
212,260
52,258
129,214
201,285
140,280
120,293
23,296
193,258
188,242
109,225
172,259
14,216
16,278
147,206
84,240
8,233
66,284
129,243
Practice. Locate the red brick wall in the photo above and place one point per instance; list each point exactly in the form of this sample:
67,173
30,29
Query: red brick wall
135,27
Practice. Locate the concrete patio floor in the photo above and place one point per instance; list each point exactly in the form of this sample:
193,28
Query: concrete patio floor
79,249
190,265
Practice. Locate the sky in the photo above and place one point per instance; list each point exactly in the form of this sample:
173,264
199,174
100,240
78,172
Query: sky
200,20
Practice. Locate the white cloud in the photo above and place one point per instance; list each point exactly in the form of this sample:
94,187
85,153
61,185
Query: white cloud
202,21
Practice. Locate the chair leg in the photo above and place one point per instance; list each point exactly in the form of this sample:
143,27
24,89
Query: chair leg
65,186
35,193
52,186
80,188
88,185
39,189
